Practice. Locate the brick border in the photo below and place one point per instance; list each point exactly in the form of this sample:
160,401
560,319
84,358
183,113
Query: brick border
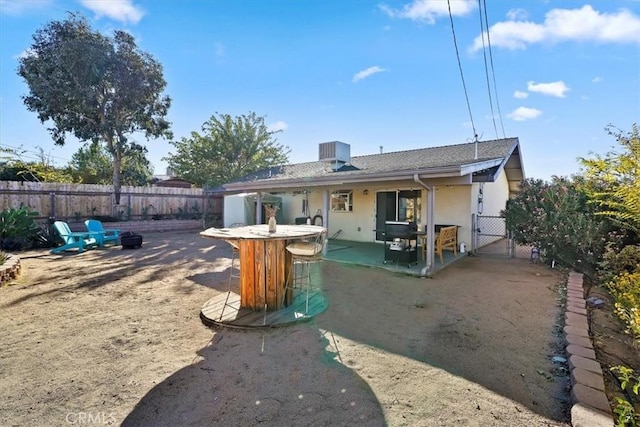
591,407
10,269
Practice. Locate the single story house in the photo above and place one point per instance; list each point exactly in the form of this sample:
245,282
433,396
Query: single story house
355,196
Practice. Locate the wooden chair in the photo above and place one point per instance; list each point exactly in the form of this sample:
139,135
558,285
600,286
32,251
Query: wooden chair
447,240
102,235
72,240
303,254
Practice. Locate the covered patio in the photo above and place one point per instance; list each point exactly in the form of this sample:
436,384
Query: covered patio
371,254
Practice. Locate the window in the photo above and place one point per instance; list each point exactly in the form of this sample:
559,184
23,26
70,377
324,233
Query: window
342,201
409,205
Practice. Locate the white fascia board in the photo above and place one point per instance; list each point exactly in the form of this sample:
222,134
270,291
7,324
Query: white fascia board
479,166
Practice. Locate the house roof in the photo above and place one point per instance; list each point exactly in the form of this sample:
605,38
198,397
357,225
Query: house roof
426,163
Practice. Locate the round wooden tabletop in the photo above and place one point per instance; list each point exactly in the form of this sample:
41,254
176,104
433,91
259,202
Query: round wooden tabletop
261,232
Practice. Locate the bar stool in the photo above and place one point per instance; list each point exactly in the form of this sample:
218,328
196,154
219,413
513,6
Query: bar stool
234,272
303,255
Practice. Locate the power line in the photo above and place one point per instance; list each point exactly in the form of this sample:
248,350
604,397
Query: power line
464,86
495,87
30,154
486,69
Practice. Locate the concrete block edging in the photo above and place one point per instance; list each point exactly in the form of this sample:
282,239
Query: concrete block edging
590,403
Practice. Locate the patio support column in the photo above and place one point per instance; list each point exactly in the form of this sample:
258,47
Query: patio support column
430,229
259,207
325,216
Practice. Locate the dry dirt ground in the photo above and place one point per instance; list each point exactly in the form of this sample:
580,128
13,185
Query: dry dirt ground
113,336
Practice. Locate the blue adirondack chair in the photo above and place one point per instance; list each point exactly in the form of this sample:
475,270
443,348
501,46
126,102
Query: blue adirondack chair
102,235
73,240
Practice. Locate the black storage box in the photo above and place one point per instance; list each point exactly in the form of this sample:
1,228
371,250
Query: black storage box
130,240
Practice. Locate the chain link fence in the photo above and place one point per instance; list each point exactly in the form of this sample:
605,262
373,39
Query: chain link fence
491,237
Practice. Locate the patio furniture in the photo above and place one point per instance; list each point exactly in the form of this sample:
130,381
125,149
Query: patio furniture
102,235
303,255
447,240
73,240
234,272
264,262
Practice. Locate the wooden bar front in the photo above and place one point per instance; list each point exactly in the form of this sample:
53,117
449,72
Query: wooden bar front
265,265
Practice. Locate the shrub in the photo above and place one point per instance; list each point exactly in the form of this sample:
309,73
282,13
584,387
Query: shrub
629,382
625,288
620,271
556,218
18,228
617,261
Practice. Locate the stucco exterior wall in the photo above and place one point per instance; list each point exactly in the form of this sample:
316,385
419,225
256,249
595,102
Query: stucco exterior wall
453,206
495,196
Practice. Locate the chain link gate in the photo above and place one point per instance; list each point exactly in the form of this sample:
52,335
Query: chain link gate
491,237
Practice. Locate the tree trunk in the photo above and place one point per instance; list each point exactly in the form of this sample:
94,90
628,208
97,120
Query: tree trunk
117,162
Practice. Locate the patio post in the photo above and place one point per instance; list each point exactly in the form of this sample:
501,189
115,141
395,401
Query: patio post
325,216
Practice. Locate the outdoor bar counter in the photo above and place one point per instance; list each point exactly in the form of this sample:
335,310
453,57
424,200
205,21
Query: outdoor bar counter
264,261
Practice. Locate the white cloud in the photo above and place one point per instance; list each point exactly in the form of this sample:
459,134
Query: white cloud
584,24
520,95
360,75
517,15
119,10
429,10
522,114
278,126
557,89
596,79
17,7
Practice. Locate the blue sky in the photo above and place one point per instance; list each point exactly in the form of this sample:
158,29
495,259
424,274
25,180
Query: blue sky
368,73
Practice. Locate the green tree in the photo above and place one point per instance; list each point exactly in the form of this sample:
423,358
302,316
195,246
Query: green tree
557,218
94,87
612,181
14,168
92,165
228,148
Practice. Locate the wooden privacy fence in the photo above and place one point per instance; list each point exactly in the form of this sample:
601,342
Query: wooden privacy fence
77,202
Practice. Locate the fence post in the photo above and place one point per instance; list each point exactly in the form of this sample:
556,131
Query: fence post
474,234
52,209
512,245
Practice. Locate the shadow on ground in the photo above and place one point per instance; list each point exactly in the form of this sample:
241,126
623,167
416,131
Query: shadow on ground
254,377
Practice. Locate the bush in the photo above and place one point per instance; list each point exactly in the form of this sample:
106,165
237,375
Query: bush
617,261
620,271
625,288
18,228
556,218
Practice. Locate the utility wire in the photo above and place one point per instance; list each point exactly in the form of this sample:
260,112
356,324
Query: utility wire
30,154
486,68
493,73
464,86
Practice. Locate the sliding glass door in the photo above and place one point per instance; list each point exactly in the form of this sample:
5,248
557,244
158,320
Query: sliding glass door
399,205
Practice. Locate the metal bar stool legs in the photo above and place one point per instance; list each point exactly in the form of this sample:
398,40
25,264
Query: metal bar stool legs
303,255
234,273
300,279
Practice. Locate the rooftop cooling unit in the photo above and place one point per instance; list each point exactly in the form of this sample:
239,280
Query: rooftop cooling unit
335,152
